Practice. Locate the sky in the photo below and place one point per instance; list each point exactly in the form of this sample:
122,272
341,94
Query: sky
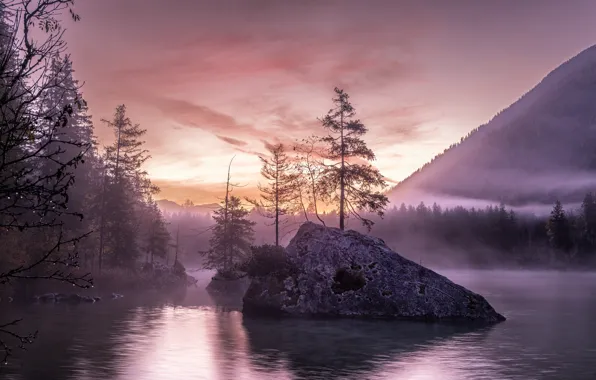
210,80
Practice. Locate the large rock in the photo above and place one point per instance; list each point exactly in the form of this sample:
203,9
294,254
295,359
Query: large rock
329,272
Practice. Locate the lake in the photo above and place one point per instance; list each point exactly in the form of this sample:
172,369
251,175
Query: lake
550,334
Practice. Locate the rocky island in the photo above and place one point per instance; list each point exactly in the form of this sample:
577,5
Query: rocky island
330,272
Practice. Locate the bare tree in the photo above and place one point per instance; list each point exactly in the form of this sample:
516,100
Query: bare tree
32,200
279,196
309,167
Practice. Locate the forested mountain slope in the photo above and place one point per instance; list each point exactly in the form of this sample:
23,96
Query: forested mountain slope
539,149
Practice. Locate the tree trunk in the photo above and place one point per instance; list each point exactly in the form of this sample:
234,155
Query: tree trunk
228,248
277,201
117,183
314,190
342,175
102,224
177,243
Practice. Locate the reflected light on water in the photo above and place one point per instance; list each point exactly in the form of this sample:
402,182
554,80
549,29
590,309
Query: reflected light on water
185,343
452,359
201,339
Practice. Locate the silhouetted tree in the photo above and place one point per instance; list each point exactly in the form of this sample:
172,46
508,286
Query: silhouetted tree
157,237
309,167
127,187
232,234
350,185
33,194
587,224
231,238
279,196
64,91
558,229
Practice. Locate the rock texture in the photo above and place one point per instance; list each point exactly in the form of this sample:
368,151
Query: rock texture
329,272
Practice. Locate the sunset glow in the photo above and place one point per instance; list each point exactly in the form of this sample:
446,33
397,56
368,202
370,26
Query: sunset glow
210,80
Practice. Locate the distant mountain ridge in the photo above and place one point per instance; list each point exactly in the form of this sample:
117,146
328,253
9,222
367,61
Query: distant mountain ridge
168,206
539,149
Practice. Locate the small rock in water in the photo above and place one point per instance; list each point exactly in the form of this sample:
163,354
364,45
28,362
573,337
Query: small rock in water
48,297
344,273
73,298
116,296
190,280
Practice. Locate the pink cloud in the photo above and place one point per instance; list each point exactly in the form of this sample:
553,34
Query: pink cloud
232,141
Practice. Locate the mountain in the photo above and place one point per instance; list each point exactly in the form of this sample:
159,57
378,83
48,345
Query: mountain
539,149
173,207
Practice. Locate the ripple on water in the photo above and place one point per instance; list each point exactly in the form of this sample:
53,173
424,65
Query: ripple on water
547,336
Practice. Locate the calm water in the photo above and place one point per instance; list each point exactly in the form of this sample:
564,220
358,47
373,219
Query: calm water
550,334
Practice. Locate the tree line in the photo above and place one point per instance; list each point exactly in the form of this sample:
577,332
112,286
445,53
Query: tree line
493,236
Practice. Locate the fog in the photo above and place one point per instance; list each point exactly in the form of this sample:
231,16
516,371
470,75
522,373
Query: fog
535,193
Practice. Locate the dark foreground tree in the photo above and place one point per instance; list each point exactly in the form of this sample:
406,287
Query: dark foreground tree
352,186
34,202
279,196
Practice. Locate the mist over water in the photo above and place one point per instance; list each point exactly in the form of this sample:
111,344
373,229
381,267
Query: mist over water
193,335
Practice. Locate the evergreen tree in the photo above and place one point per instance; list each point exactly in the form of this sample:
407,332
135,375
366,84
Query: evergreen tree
402,208
62,92
279,196
350,185
232,236
558,229
156,234
437,211
232,233
588,223
126,187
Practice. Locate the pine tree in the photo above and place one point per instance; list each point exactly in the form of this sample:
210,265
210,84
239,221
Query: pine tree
588,222
279,196
558,229
157,237
232,233
126,187
350,185
231,239
63,91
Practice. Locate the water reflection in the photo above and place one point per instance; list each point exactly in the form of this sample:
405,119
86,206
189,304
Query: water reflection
203,336
329,349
